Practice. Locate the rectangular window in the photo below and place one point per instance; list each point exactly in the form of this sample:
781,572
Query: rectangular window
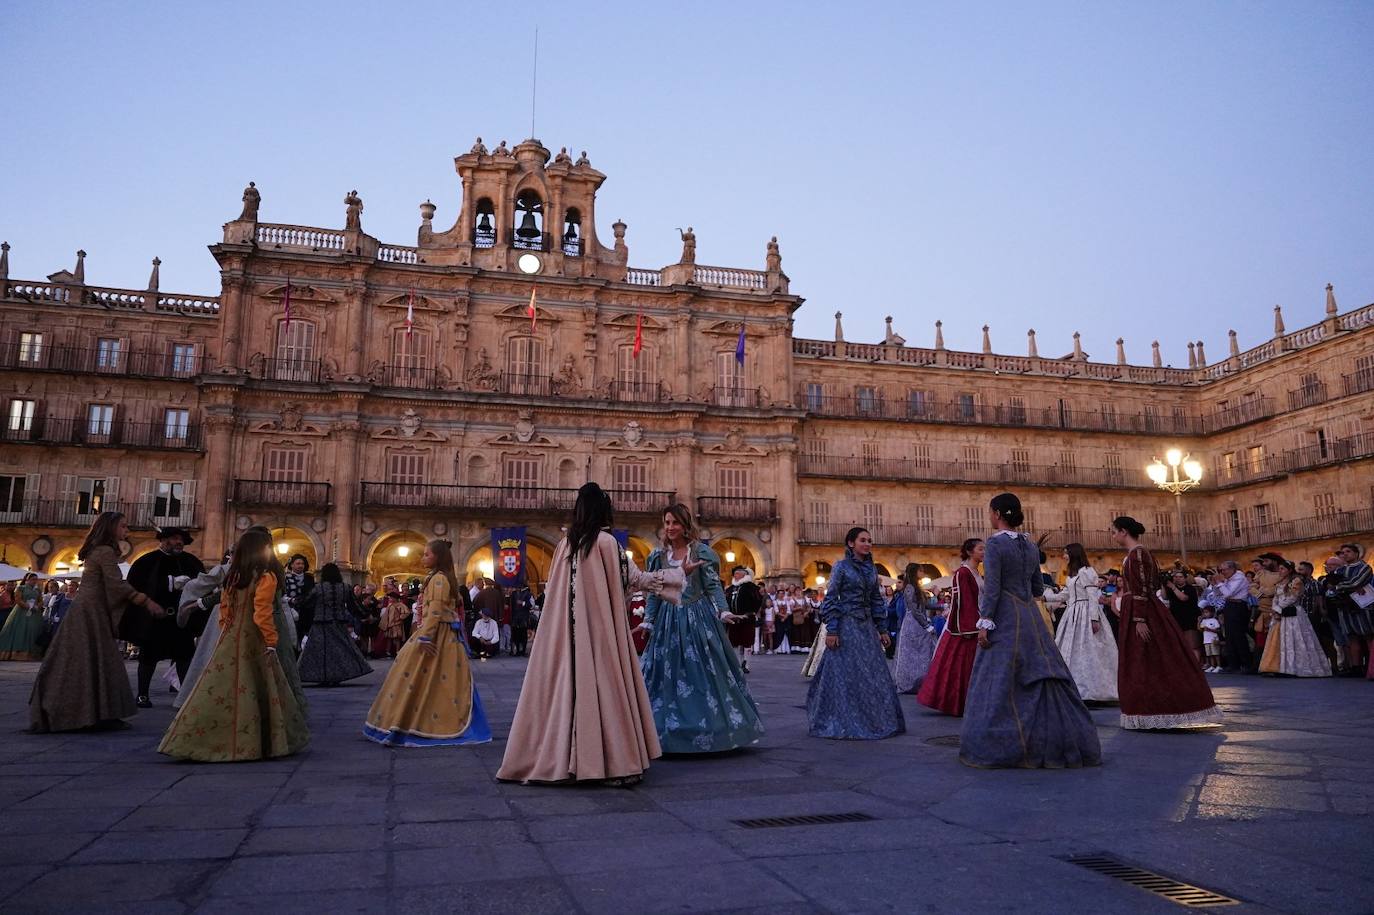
1029,512
12,494
1020,460
1016,412
183,359
1255,459
107,352
1233,521
967,407
90,495
730,383
1068,463
405,469
916,403
1318,438
1324,504
167,500
409,359
295,359
284,465
816,449
873,516
1164,524
30,349
1108,416
99,420
870,454
975,519
1192,523
971,457
1229,469
733,482
866,400
923,518
21,418
818,512
525,366
629,476
176,424
634,375
920,455
1151,419
1264,515
815,397
1112,462
1073,523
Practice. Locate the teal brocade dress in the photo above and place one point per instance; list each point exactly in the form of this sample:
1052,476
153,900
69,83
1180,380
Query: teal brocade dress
696,687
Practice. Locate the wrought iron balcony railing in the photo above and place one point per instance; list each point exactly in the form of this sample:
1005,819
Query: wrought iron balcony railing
280,494
74,360
82,510
101,433
736,508
438,497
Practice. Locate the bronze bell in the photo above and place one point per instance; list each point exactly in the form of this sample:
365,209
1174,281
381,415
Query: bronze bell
570,234
527,227
484,224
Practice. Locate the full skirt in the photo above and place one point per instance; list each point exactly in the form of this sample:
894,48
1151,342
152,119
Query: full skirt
19,637
852,696
1023,709
1091,657
1292,649
242,708
429,702
330,655
813,657
82,682
1160,682
696,687
915,650
945,688
205,650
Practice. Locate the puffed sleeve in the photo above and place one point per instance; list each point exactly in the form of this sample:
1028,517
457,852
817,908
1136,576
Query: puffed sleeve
877,607
831,611
914,606
992,579
651,600
437,596
1092,586
118,592
710,577
264,596
666,584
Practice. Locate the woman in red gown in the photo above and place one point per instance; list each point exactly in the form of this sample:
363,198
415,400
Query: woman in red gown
1158,678
946,685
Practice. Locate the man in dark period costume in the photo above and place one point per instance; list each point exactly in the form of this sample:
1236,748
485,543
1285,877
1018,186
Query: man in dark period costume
745,601
161,575
520,603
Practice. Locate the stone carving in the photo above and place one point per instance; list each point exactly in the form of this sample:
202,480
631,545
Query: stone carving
376,371
348,426
479,147
633,433
251,200
774,259
524,425
482,376
689,246
583,160
410,423
567,381
562,157
734,439
501,150
353,212
291,417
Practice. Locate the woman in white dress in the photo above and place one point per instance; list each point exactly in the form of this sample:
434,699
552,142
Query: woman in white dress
1291,648
1084,639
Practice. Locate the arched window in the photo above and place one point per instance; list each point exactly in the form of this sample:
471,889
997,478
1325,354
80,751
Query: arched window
295,359
567,474
526,367
484,229
529,218
478,471
572,229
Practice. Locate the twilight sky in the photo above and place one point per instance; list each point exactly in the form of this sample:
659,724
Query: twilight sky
1150,170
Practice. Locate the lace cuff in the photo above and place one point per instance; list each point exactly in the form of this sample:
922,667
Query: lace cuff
986,623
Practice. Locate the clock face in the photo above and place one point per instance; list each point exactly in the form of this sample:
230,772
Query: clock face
529,263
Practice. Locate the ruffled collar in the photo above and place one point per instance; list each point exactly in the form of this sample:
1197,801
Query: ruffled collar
855,557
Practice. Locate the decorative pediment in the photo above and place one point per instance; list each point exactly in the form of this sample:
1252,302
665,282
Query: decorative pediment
302,294
521,312
633,439
524,433
724,328
410,429
735,444
630,319
291,420
422,303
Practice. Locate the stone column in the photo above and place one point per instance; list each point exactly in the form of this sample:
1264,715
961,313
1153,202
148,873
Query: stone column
217,481
354,365
344,520
787,529
231,309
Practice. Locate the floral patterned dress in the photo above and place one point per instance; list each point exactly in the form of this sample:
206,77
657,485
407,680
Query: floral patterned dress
696,686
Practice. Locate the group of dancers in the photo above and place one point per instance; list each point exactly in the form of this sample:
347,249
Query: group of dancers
590,709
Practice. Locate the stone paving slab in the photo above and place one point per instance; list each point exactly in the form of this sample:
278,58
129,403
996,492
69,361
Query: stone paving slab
1274,810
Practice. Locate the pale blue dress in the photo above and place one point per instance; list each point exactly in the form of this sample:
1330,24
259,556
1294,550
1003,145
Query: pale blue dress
696,687
852,696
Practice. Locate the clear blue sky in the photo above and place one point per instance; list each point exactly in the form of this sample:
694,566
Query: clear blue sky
1143,170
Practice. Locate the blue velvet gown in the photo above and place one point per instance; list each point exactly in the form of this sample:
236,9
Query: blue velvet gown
696,687
1023,709
852,696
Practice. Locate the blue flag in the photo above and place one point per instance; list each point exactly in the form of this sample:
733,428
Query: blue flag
739,347
508,556
622,537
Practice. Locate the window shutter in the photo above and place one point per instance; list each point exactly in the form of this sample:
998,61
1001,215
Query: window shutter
31,481
189,513
143,512
111,502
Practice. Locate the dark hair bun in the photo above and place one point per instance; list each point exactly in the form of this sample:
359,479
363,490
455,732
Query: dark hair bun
1129,525
1008,507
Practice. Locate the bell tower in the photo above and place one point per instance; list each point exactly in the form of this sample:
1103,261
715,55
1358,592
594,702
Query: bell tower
522,213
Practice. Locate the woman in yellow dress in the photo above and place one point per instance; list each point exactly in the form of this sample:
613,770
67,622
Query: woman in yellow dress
242,707
429,699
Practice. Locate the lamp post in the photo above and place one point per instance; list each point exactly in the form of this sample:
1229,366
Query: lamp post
1165,474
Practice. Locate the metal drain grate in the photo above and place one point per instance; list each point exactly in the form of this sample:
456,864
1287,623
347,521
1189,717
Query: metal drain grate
950,741
814,819
1185,894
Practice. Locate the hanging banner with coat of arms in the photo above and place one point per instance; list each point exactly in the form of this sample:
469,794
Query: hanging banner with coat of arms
508,556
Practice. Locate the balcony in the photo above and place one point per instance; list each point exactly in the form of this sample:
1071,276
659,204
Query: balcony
412,377
1276,533
637,392
1309,395
1249,411
735,396
98,433
909,469
76,360
80,513
447,497
1359,381
1248,470
734,508
280,494
915,533
305,371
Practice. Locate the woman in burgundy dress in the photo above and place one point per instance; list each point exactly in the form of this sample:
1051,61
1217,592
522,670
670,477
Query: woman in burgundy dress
946,685
1158,677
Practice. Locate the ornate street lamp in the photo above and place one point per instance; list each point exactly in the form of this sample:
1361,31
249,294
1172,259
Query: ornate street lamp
1165,474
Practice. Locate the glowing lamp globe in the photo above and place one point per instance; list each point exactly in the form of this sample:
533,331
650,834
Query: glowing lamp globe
1158,473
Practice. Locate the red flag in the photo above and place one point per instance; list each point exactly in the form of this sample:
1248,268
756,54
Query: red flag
639,333
532,311
286,304
410,313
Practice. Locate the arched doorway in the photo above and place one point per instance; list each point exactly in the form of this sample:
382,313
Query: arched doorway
639,550
65,562
396,554
731,552
538,559
816,574
290,541
14,553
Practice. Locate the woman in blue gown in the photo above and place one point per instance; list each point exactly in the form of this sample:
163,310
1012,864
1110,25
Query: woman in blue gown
696,686
1023,709
852,696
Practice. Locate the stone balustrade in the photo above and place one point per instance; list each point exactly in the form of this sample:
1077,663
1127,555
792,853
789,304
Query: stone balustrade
399,254
638,276
190,305
299,238
730,277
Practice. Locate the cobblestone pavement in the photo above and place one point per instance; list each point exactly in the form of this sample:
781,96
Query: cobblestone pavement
1274,811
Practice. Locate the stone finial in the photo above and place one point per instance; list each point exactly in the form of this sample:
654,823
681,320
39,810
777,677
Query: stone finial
427,211
4,260
618,230
774,258
80,272
839,327
1157,358
1235,344
891,337
1201,356
251,200
1031,349
987,341
1192,355
1278,321
1330,301
1078,346
1120,351
939,334
154,279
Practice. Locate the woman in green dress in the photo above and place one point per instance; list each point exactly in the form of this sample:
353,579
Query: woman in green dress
19,638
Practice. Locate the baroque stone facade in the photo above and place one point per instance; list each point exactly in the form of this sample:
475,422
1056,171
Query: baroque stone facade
361,397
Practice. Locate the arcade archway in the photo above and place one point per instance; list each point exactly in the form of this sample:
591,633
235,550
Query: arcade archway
538,559
732,551
288,541
816,574
396,554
